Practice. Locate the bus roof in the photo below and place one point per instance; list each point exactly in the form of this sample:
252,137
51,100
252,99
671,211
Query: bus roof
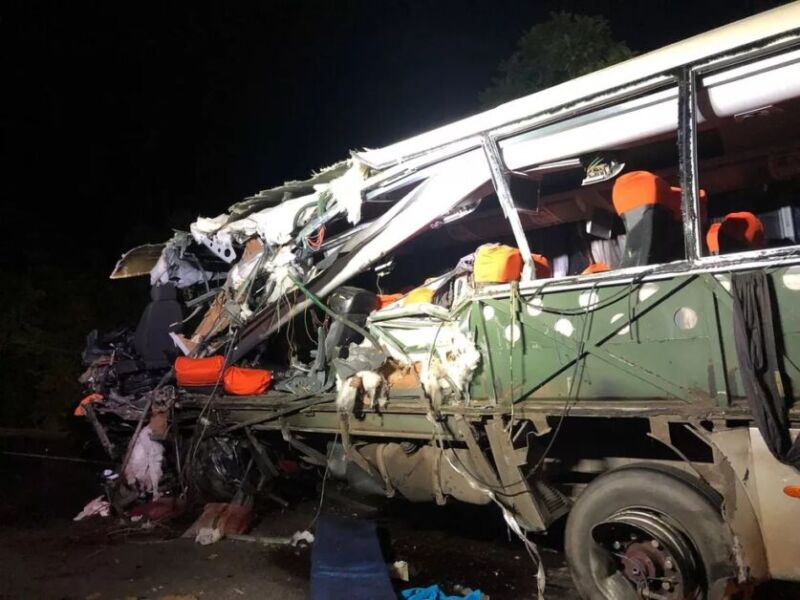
747,31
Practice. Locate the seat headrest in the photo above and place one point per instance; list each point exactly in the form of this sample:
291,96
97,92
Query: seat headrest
166,291
641,188
742,230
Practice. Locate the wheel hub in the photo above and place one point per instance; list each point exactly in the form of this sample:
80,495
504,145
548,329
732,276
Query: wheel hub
650,552
641,562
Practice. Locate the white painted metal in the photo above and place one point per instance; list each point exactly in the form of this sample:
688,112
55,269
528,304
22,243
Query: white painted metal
741,33
776,510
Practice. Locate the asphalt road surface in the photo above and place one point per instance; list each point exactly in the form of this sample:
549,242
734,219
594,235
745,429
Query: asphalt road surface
45,555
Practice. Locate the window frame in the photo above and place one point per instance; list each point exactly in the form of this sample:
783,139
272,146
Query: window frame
690,80
687,78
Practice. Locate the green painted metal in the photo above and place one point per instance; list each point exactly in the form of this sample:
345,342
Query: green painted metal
670,338
620,345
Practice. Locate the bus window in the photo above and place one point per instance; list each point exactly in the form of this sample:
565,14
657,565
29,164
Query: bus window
609,197
590,225
753,182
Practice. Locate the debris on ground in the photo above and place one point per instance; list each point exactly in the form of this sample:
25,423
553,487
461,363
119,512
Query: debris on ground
99,506
221,518
299,538
399,570
163,509
434,592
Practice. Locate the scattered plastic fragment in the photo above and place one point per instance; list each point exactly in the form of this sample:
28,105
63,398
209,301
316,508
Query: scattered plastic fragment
302,536
98,506
434,592
399,570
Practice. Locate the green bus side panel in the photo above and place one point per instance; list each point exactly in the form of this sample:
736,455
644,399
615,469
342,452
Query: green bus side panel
671,338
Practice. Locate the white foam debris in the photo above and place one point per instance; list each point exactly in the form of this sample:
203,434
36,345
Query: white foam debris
374,388
143,470
346,190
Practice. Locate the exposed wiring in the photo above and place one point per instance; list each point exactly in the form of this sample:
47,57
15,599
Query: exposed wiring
510,518
619,294
201,418
580,365
324,481
344,320
311,337
315,242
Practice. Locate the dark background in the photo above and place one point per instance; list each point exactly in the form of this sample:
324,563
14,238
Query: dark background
120,121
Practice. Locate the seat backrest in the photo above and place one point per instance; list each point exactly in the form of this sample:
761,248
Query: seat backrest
355,304
152,340
651,210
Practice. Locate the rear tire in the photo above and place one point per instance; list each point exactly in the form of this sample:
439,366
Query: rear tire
649,529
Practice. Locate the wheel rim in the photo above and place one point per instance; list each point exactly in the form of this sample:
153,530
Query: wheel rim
650,552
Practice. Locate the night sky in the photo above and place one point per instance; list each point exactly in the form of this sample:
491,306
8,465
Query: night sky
122,120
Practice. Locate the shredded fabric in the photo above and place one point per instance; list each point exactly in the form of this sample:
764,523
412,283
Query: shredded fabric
368,386
99,506
143,471
431,376
347,393
346,191
458,356
374,389
171,267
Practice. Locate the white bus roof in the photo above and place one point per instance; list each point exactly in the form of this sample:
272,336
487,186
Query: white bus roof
741,33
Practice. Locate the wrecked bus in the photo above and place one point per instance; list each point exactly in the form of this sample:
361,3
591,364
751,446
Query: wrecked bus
578,303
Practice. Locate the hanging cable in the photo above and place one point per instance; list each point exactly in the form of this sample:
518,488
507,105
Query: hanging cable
344,320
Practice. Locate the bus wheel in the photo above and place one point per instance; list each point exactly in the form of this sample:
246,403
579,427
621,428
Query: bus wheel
649,532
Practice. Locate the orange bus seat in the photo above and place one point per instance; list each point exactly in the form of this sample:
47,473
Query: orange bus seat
385,300
597,267
420,295
239,381
542,265
651,210
497,263
198,372
737,232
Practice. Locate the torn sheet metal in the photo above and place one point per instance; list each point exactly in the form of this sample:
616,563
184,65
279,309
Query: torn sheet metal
274,225
137,261
285,213
173,266
205,230
290,189
462,178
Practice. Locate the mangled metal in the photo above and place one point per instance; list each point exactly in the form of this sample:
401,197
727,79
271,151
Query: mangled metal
394,367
